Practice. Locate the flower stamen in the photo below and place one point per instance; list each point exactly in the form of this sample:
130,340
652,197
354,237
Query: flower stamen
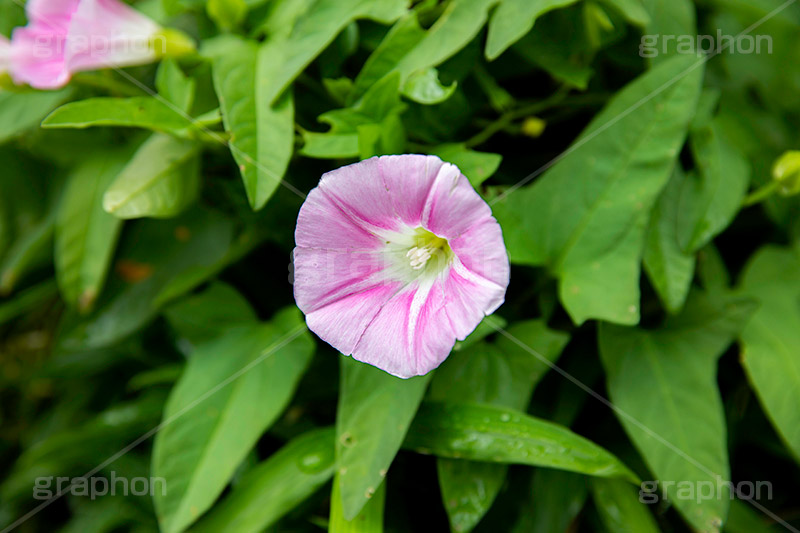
419,256
427,246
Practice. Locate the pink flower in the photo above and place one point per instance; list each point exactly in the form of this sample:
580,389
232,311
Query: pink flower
67,36
397,257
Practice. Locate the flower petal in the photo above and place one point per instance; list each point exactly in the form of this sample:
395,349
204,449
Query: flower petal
411,335
409,179
482,251
359,191
37,56
342,322
322,277
453,206
109,33
50,11
469,299
323,224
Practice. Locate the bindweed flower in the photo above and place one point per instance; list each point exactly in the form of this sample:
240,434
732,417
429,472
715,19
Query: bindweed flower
397,257
67,36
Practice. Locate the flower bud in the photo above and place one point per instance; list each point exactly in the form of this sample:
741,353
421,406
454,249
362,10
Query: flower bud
786,171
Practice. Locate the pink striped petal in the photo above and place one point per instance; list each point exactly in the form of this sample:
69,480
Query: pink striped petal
408,179
359,191
476,249
411,335
342,322
453,206
37,56
470,299
108,33
323,224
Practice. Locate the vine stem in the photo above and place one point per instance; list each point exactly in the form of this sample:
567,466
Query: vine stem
506,119
759,195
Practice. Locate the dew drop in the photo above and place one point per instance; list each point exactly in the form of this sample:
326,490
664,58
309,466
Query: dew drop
312,463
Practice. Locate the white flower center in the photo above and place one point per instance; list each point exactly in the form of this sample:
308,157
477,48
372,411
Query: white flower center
427,246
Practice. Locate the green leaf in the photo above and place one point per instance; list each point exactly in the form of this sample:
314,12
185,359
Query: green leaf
151,255
560,45
262,135
74,448
619,507
632,10
372,418
711,270
586,217
500,374
663,384
174,85
469,488
500,435
22,111
160,181
476,166
364,129
667,17
275,487
771,339
743,518
400,40
233,389
670,268
424,87
711,198
227,14
388,137
202,317
556,497
411,52
330,145
513,19
85,235
29,252
453,30
316,29
369,520
135,112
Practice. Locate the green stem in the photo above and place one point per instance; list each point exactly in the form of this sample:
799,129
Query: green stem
506,119
759,195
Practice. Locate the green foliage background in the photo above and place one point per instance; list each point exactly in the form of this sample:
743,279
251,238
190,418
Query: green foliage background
147,325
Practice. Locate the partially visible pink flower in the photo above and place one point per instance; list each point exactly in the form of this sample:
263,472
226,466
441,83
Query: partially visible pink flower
397,257
38,48
105,33
67,36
